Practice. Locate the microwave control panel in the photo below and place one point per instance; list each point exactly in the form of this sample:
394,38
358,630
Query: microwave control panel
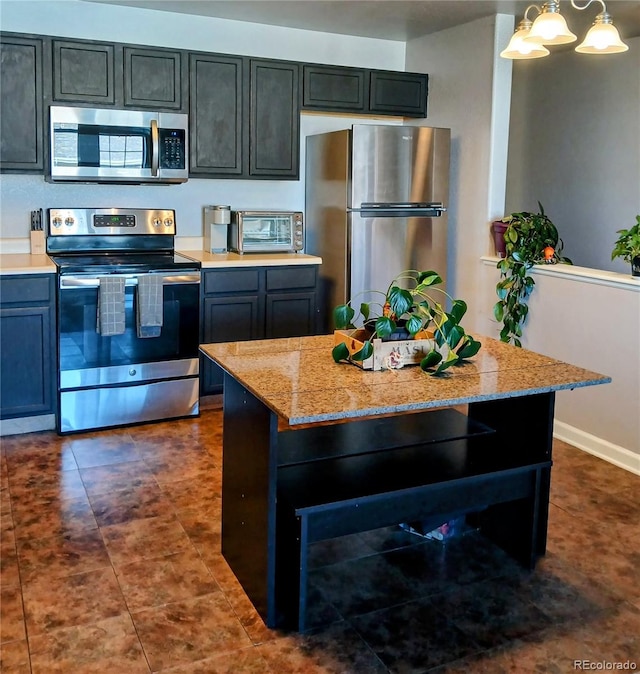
172,148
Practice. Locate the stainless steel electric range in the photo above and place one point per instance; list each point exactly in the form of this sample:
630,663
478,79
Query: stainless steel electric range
127,318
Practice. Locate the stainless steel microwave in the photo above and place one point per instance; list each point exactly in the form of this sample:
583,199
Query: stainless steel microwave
117,146
266,232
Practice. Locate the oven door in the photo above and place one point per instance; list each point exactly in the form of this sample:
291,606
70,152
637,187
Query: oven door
116,375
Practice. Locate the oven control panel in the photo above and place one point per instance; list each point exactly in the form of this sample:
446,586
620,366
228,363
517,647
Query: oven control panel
110,221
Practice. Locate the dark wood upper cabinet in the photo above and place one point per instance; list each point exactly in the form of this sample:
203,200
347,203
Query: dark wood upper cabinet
153,78
21,104
216,115
274,128
84,72
398,93
338,88
360,90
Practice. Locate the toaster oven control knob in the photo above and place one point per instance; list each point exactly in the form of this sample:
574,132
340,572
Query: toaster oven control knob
168,222
57,221
69,222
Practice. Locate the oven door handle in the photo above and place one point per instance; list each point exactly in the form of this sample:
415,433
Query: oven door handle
68,282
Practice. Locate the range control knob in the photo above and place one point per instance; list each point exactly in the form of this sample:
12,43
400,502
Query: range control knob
157,222
69,221
57,221
168,222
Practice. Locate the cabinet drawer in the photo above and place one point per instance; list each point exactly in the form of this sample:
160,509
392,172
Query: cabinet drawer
26,289
290,278
231,281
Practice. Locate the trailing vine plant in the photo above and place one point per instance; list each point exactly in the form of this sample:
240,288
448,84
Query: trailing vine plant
415,309
530,238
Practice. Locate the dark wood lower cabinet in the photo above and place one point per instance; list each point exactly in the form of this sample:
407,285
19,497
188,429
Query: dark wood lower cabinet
255,303
27,346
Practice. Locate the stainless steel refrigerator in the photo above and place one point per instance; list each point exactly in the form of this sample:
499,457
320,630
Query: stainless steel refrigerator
376,204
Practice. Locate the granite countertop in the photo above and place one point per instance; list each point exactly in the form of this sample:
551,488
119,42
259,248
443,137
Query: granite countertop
25,263
298,379
223,260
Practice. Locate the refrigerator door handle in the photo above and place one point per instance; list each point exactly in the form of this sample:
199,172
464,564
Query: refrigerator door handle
400,210
419,205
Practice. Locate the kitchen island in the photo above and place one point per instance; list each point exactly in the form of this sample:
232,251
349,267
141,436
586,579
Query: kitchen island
314,450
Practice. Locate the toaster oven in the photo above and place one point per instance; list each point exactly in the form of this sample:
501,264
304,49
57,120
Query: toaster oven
266,232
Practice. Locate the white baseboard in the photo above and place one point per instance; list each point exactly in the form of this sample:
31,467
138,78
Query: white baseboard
603,449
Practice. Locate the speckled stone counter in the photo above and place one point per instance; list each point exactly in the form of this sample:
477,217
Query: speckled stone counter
394,447
298,379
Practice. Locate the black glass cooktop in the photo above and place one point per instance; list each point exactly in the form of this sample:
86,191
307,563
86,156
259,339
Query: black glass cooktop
122,263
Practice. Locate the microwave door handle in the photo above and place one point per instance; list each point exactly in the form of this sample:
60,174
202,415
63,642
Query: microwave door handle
155,148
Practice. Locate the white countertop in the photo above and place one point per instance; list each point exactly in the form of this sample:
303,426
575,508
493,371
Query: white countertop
224,260
25,263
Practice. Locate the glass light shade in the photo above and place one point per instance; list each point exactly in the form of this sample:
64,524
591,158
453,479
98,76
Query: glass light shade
602,38
550,28
519,48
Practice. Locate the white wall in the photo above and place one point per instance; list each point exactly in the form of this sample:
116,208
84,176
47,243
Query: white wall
70,18
591,320
469,91
575,147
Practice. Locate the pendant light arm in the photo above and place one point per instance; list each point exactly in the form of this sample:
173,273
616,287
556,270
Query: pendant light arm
537,8
575,6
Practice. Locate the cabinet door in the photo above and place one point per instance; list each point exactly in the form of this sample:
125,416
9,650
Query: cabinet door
26,363
153,78
337,88
228,319
274,137
290,315
27,345
84,72
21,120
398,93
217,119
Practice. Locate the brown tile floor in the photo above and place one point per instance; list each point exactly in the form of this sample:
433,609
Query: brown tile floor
111,563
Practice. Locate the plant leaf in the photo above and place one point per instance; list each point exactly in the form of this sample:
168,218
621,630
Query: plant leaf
343,315
458,310
400,300
384,326
364,310
414,324
469,348
431,359
340,352
451,359
430,278
364,353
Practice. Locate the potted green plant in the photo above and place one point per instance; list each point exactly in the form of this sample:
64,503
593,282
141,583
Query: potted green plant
627,247
409,304
530,238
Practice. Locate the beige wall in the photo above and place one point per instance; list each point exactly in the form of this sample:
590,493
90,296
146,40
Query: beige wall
575,147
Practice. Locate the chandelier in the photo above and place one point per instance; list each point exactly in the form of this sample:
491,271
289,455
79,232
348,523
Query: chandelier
550,27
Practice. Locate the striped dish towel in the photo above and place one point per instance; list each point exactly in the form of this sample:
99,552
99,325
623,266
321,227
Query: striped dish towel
110,319
149,306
